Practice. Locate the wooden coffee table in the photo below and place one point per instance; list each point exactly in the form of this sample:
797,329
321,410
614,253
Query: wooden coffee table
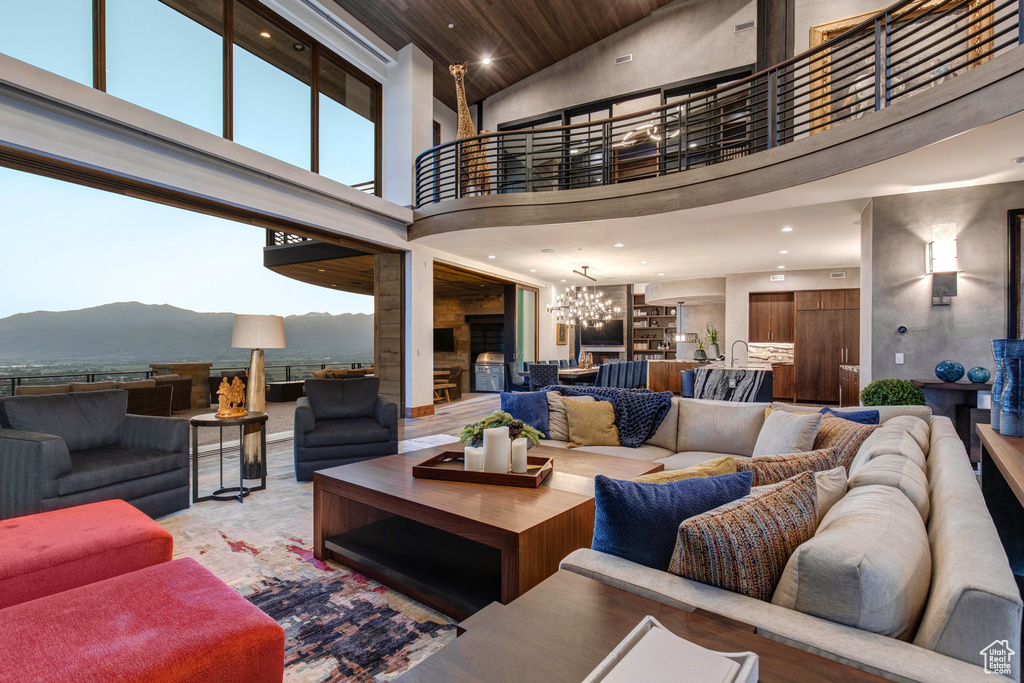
456,546
563,628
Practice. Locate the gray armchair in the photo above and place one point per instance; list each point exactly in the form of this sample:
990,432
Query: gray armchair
341,421
61,450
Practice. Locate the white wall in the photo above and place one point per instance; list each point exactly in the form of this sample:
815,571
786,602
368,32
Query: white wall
739,286
448,119
683,40
408,122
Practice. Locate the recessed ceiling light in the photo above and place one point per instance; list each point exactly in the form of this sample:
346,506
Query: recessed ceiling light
264,34
563,279
619,244
781,267
643,263
661,274
787,229
451,25
784,251
322,270
533,270
334,285
299,47
492,256
486,61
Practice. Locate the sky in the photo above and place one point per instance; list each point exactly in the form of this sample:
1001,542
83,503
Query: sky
67,247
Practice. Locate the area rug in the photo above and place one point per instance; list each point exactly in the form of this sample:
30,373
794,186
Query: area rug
339,625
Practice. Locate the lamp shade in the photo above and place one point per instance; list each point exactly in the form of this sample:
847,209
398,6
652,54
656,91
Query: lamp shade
258,332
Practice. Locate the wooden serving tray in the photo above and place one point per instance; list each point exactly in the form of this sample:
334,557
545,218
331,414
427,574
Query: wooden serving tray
449,467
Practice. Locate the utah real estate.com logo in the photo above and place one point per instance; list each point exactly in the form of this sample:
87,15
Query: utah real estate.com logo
997,657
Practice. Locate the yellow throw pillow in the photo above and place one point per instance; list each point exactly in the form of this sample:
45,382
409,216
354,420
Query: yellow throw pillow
591,424
708,468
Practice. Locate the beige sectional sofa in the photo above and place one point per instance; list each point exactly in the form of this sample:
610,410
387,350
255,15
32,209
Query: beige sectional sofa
971,597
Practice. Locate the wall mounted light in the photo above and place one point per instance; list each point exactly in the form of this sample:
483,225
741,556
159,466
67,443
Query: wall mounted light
942,264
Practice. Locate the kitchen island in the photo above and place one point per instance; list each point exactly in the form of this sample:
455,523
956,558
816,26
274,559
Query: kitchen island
743,384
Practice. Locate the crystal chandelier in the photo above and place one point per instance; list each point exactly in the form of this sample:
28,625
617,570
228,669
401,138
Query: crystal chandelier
583,305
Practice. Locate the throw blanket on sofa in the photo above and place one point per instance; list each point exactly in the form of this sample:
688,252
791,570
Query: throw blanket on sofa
638,412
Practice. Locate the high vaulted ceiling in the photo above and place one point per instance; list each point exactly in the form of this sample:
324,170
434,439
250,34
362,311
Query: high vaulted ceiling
520,36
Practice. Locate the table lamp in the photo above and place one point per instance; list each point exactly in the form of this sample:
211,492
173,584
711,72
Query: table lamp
256,332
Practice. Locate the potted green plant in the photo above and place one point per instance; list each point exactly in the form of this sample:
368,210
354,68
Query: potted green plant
699,354
473,434
892,392
712,338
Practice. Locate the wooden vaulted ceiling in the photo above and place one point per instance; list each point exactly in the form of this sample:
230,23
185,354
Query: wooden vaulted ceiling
452,282
520,36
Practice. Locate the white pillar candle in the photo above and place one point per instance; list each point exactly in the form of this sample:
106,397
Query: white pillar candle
519,456
496,449
473,459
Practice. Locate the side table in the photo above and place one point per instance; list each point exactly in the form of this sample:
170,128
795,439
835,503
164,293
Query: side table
228,492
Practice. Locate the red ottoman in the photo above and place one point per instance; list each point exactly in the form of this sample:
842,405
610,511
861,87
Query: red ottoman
55,551
174,621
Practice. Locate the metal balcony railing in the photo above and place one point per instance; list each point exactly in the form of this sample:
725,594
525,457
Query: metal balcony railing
911,46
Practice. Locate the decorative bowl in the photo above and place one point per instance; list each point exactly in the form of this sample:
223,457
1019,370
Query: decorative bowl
949,371
979,375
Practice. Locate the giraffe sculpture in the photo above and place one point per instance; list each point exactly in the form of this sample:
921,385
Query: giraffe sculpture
474,172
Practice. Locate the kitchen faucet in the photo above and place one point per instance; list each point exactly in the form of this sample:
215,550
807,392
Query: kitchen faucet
732,352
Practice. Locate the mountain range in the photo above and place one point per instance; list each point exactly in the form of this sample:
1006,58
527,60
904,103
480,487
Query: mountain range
144,333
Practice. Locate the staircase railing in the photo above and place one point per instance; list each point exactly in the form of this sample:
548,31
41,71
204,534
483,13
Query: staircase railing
903,50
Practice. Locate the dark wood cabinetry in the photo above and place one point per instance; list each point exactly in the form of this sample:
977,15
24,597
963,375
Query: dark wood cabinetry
849,387
783,382
771,317
827,336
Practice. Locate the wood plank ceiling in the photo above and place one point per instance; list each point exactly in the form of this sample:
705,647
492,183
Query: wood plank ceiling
452,282
520,36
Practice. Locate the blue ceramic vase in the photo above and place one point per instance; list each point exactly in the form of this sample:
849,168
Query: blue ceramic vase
979,375
999,356
1011,401
949,371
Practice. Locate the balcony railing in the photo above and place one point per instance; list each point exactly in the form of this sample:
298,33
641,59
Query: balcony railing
273,373
909,47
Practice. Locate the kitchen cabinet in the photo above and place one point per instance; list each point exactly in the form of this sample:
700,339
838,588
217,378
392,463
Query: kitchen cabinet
784,382
771,318
849,386
827,336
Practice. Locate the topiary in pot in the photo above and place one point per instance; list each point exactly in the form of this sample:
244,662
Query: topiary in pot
892,392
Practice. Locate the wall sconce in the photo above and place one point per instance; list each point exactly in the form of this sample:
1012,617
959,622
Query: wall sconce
942,264
686,338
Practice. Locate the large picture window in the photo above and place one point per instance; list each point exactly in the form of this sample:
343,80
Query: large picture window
55,35
167,56
228,67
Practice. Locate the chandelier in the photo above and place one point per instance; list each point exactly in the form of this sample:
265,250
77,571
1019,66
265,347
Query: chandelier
583,305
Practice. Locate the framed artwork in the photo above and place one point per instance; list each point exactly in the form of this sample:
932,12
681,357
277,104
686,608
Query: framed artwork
561,334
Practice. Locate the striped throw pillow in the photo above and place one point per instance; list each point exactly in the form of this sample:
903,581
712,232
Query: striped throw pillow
844,436
743,546
771,469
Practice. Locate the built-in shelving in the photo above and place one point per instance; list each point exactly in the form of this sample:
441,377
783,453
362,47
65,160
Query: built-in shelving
654,329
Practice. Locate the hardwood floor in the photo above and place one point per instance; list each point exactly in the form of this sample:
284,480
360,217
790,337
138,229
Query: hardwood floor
449,418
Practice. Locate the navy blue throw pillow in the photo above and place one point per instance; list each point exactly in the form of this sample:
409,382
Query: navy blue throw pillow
864,417
639,521
529,406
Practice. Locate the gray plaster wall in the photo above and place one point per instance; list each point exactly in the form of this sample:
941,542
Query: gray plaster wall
683,40
901,291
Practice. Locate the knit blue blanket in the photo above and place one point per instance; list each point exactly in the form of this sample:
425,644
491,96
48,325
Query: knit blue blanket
638,412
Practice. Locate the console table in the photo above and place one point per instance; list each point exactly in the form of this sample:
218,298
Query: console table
1002,485
563,628
967,413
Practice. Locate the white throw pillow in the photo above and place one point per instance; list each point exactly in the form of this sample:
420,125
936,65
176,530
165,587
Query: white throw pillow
868,565
667,433
719,426
558,422
899,472
784,433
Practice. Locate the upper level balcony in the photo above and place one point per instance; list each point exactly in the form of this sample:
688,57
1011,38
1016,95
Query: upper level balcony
835,108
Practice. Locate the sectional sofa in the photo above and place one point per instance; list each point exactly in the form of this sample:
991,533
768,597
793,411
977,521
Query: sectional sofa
972,598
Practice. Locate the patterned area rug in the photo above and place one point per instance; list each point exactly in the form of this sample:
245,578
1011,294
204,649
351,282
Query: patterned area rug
339,625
